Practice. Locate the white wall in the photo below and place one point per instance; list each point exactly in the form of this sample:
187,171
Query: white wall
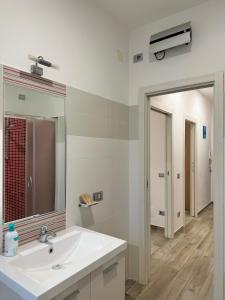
91,50
76,35
97,154
195,106
206,56
99,165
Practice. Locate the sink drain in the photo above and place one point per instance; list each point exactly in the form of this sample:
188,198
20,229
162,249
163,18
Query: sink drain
61,266
57,267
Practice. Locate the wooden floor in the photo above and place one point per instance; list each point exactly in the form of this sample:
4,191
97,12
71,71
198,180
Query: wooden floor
181,268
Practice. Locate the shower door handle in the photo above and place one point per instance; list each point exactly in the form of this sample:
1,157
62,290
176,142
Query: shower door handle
30,182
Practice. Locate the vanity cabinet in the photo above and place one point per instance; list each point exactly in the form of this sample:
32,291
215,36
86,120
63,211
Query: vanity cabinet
105,283
79,291
108,282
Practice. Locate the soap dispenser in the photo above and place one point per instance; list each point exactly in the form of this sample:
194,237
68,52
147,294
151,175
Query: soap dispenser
11,241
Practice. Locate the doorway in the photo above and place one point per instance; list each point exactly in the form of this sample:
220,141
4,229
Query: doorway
190,169
197,237
142,237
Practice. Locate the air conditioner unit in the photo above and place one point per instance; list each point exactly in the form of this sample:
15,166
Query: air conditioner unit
171,38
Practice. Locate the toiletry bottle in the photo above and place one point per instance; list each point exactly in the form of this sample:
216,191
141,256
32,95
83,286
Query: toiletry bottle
11,241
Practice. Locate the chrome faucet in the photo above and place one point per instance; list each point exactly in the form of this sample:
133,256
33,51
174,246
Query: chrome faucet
45,234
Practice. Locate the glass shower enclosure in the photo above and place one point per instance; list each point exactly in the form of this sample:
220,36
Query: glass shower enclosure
29,167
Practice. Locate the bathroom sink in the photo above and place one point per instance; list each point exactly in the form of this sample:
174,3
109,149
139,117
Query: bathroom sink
38,269
60,253
44,256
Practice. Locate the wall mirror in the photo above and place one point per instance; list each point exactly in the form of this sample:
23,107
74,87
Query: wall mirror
34,152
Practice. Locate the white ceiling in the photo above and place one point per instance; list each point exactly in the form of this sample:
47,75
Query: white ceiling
134,13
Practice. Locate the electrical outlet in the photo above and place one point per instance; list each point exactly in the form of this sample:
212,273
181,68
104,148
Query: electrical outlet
178,214
22,97
162,213
98,196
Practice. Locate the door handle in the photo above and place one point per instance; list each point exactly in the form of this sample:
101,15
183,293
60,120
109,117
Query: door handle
110,268
73,294
29,182
161,175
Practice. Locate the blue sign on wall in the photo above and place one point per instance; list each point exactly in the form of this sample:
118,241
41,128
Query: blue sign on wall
204,132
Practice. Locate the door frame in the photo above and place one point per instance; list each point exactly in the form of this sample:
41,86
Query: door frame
169,212
193,202
216,80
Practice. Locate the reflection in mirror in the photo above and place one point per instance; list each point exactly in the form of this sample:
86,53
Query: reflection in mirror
34,153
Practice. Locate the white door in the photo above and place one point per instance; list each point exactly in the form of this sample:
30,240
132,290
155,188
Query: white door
158,172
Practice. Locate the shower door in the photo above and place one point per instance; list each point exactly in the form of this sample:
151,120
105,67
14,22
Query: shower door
44,166
29,174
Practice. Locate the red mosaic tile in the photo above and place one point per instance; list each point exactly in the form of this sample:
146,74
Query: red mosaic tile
14,169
